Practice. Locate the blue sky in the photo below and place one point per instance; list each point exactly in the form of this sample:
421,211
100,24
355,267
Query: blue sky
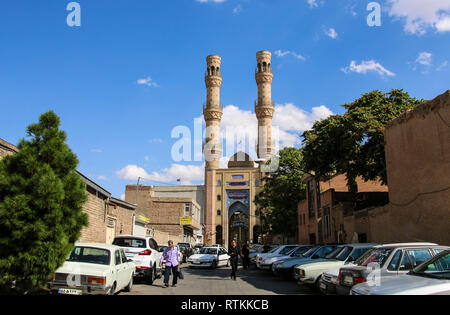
134,70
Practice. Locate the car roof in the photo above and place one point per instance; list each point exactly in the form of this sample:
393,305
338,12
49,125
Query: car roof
406,245
361,245
98,245
134,236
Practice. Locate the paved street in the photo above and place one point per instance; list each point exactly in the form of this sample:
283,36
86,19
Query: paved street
218,282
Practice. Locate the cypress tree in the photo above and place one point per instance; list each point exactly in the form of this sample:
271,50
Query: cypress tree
41,199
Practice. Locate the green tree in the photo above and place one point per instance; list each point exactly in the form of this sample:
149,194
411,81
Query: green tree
41,203
353,143
281,193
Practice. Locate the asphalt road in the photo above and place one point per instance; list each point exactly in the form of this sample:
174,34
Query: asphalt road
218,282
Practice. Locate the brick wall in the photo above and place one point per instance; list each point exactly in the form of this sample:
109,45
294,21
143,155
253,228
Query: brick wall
95,209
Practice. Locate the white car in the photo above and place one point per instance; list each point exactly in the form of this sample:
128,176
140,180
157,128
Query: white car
93,269
430,278
145,254
311,273
211,257
262,259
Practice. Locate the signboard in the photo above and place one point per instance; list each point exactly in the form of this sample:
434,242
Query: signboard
143,219
238,224
186,221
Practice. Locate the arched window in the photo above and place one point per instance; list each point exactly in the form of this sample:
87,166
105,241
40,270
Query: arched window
264,67
219,235
213,72
217,70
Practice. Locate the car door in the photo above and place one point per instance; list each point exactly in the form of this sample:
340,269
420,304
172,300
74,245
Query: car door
223,257
129,267
120,270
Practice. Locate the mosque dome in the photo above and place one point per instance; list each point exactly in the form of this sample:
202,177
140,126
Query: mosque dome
241,160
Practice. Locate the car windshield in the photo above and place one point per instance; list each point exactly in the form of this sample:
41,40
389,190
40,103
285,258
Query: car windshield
310,251
274,250
300,251
438,267
208,251
363,258
378,256
344,253
287,250
90,255
130,242
334,253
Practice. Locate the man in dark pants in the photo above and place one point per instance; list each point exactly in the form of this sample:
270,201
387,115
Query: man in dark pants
234,254
170,254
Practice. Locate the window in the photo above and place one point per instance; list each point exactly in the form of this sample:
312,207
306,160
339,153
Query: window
219,183
219,213
418,256
326,220
406,263
219,198
395,262
187,210
256,183
118,259
319,205
130,242
124,258
90,255
152,243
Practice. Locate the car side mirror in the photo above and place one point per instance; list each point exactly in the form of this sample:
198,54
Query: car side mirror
315,257
130,260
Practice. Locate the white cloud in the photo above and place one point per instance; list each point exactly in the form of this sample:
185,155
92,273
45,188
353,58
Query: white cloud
148,81
420,15
96,150
442,66
312,3
281,54
367,66
187,174
102,178
238,9
424,58
331,33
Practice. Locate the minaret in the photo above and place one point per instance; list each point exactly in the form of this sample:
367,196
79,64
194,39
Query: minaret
212,150
264,106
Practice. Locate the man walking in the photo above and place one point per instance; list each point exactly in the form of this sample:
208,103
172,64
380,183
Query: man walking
170,254
234,254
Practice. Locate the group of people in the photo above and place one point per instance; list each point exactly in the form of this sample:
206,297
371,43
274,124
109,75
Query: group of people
170,255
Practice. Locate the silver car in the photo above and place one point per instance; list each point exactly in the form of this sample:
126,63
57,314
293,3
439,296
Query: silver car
430,278
386,261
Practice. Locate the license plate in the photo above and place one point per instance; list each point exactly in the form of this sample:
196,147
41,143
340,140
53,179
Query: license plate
348,280
70,291
323,286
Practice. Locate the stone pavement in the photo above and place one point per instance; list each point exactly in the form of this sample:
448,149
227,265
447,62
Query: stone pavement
218,282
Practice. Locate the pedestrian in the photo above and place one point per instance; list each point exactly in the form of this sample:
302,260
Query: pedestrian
234,252
170,254
245,254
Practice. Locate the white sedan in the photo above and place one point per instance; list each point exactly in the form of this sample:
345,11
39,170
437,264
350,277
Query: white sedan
211,257
94,269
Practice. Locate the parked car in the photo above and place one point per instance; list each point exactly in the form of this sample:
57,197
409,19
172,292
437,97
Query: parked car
311,273
211,257
330,278
282,250
161,250
145,254
186,249
391,259
262,250
268,262
429,278
285,267
93,269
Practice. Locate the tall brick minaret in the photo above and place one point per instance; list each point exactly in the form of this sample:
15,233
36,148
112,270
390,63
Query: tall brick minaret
212,150
264,107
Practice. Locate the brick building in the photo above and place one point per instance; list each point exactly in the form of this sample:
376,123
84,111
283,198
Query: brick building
179,217
417,148
108,216
320,216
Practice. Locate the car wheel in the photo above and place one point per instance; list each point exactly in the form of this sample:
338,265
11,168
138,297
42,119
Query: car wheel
317,285
112,291
214,265
151,277
130,285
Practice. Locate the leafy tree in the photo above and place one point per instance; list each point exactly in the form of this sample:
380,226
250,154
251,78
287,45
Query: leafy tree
41,199
281,193
353,143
